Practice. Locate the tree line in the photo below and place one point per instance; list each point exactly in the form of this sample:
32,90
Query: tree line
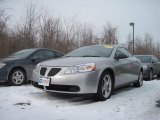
38,29
41,30
145,45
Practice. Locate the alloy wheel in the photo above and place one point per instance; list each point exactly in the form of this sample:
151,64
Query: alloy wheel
18,77
106,86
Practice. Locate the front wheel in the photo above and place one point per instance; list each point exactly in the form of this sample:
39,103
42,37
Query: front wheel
17,77
105,86
139,82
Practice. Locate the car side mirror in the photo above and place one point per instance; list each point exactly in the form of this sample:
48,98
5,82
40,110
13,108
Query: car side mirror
120,56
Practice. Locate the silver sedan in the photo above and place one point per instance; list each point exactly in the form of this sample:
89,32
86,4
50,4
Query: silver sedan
95,69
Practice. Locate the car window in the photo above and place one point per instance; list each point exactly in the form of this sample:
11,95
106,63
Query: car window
144,58
123,52
44,54
22,53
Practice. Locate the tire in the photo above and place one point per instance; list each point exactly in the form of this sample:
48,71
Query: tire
150,74
139,82
17,77
105,87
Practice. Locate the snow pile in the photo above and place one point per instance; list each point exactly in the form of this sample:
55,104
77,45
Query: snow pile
129,103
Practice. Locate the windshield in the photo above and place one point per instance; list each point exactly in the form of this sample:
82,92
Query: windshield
144,59
22,53
91,51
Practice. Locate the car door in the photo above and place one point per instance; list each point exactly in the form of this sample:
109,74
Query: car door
124,68
156,65
39,56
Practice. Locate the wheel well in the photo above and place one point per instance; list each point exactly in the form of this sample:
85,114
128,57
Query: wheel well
112,74
18,67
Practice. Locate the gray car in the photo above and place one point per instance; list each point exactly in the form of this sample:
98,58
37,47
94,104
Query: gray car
17,68
151,66
92,69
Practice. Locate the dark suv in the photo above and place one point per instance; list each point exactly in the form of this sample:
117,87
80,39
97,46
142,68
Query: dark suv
151,66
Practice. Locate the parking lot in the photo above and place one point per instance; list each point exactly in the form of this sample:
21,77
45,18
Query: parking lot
129,103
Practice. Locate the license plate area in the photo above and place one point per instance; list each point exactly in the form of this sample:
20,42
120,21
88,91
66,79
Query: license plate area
44,81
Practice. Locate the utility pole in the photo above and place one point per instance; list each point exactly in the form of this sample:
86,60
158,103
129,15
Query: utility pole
132,24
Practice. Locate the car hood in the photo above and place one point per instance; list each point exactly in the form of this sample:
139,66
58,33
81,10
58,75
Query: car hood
71,61
9,59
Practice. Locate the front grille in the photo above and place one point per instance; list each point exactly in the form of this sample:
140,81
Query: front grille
43,71
53,71
67,88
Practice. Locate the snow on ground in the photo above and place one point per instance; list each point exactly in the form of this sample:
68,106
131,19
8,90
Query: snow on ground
128,103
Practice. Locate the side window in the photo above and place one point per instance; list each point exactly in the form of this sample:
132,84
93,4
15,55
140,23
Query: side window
44,54
123,52
129,54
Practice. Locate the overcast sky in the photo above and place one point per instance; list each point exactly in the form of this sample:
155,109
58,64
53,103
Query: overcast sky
144,13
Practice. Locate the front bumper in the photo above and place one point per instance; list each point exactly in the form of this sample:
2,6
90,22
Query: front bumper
3,78
3,75
79,83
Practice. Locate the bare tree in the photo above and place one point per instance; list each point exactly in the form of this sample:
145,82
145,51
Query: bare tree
48,31
26,32
148,43
110,34
3,33
38,30
143,46
139,46
157,50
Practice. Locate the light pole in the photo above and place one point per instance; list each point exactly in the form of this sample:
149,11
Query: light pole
132,24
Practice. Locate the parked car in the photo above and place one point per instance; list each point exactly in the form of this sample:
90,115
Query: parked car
92,69
151,66
17,68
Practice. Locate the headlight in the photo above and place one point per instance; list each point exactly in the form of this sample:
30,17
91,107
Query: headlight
81,68
145,67
37,67
2,65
